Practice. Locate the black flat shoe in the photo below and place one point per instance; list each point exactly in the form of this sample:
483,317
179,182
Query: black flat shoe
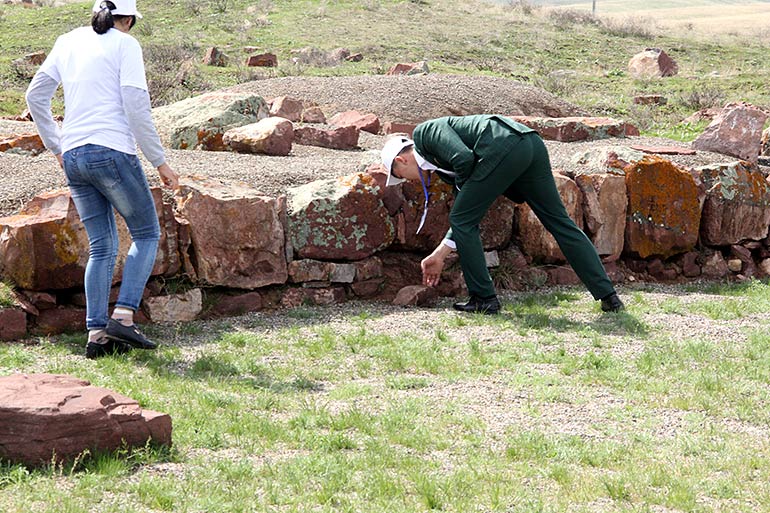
612,303
105,347
129,335
475,304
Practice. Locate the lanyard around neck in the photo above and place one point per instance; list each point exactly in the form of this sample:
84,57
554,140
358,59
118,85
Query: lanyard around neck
427,197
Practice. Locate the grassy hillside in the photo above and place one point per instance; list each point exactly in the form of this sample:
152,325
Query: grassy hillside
568,52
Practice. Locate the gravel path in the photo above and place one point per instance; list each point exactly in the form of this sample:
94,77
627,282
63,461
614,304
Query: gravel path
404,98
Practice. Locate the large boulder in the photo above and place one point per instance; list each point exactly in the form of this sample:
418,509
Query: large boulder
652,63
737,205
736,131
604,208
573,129
268,136
534,239
48,417
45,246
201,121
237,234
339,219
664,209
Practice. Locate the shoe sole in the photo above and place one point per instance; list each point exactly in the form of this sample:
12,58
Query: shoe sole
133,343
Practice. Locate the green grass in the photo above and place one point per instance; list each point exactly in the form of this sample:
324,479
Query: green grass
6,295
549,406
509,41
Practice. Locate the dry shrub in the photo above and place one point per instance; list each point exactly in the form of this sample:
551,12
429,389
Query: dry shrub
564,17
172,74
703,98
632,26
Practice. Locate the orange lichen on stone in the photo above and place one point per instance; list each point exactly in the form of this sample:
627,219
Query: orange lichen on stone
663,208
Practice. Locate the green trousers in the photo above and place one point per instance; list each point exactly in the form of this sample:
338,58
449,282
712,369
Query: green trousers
524,174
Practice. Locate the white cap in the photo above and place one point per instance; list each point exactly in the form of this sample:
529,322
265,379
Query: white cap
390,151
122,7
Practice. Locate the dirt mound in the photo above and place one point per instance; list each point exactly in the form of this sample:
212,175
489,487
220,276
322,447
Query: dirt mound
412,99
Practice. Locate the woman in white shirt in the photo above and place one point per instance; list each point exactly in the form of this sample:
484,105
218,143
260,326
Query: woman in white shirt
107,112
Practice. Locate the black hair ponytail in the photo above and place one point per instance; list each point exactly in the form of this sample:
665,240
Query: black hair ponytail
102,21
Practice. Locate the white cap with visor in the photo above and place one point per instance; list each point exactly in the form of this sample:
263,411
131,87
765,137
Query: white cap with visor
390,151
122,7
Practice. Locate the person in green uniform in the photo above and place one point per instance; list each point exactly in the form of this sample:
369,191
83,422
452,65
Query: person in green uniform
483,157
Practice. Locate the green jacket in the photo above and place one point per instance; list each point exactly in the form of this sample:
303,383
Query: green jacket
468,145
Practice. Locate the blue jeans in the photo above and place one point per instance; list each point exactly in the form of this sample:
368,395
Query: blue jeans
99,180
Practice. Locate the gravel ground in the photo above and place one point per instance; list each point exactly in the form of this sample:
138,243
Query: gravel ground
400,98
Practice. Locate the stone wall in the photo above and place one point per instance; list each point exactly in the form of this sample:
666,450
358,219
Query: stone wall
331,240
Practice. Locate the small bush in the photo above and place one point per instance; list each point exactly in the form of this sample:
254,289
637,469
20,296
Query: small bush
565,17
704,98
634,26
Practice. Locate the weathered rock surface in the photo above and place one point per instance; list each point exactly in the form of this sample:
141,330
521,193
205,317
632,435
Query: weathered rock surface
409,68
534,239
263,60
339,219
736,131
201,121
651,63
664,210
415,295
365,122
573,129
215,57
23,144
737,205
604,209
45,246
340,138
13,323
47,417
237,235
268,136
174,307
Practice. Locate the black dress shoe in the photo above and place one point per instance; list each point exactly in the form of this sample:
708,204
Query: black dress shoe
129,335
105,347
475,304
612,303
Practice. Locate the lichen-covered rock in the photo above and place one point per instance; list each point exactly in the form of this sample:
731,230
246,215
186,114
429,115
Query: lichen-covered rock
737,205
534,239
736,131
45,246
339,219
237,234
50,417
664,209
573,129
606,159
201,121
